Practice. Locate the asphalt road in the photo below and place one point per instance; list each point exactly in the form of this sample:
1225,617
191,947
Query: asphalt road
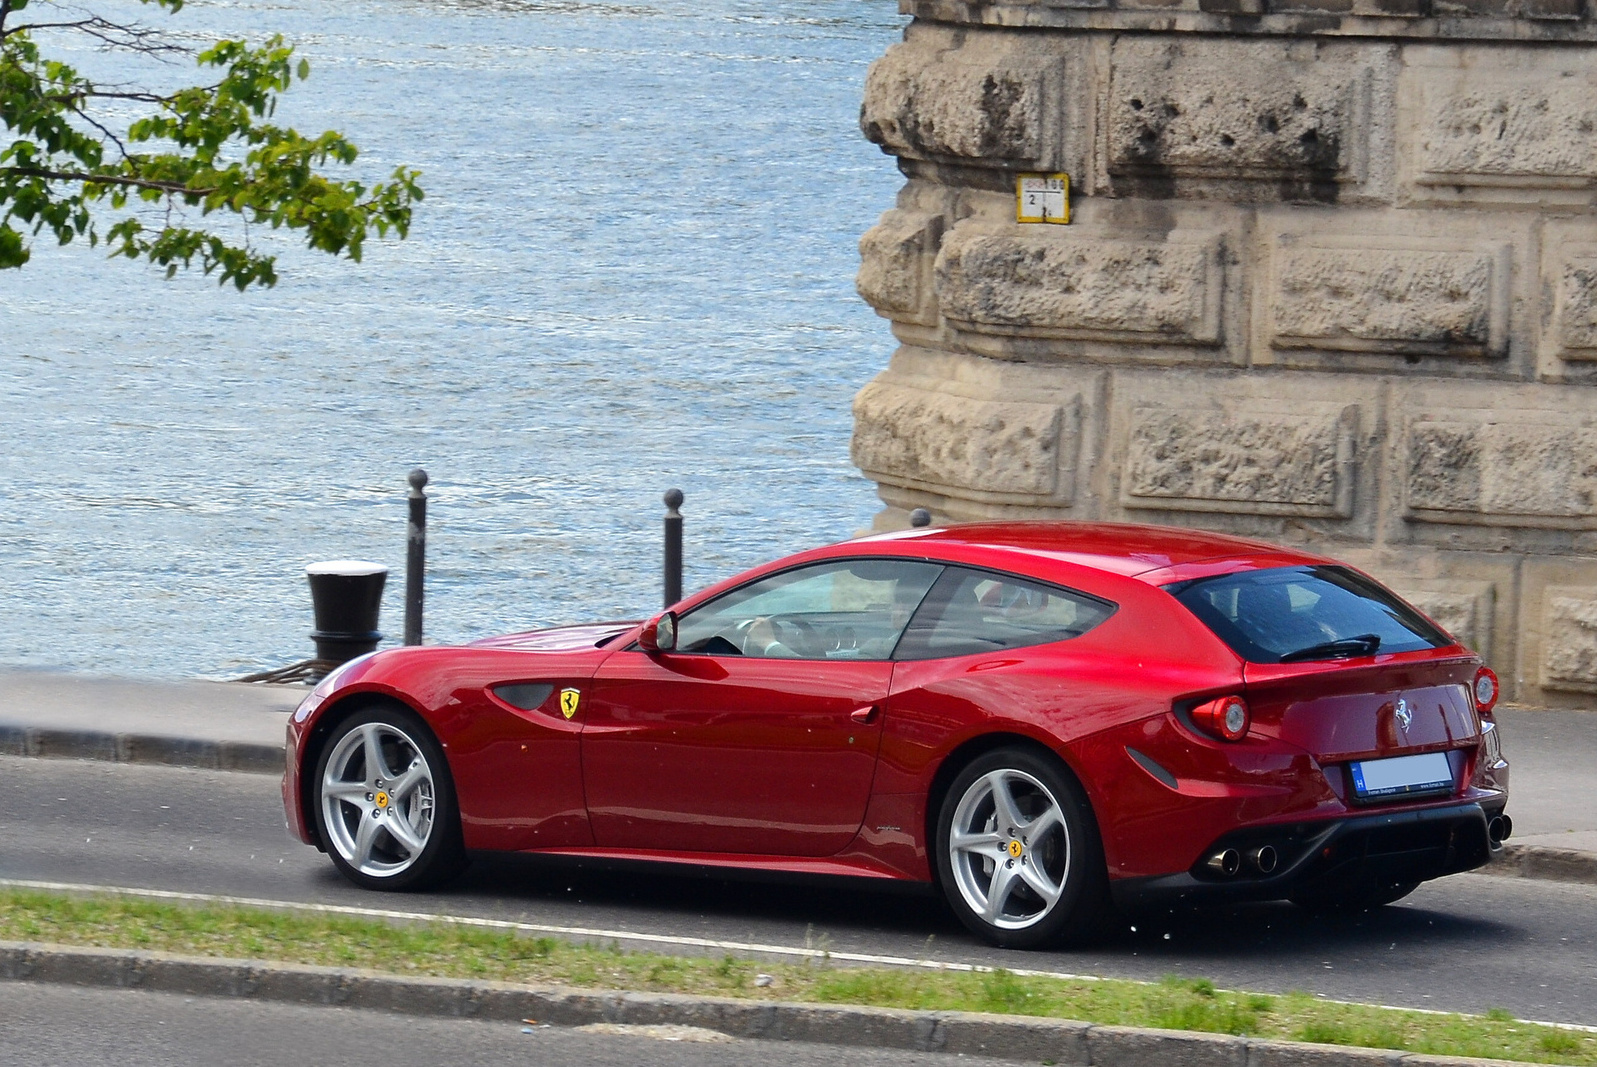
42,1025
1466,943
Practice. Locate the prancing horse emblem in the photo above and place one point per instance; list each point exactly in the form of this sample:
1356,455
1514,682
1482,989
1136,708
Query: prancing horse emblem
568,702
1404,715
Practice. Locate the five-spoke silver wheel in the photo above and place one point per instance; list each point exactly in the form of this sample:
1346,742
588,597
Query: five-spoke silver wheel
1018,853
384,804
1010,849
377,800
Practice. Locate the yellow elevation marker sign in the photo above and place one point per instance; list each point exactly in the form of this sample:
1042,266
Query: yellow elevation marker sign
1042,198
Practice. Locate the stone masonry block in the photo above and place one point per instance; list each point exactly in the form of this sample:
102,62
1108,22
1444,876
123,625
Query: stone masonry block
1484,134
1557,10
1569,638
1256,111
895,261
1463,609
989,449
982,105
1410,297
1524,468
1063,282
1288,459
1575,303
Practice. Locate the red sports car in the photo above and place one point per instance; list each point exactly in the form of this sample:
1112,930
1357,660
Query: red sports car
1046,720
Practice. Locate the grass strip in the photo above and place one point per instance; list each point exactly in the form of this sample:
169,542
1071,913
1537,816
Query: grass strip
451,951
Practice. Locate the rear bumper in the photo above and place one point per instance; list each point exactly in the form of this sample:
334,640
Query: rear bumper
1356,851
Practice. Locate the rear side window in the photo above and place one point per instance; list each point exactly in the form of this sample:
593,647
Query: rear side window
970,611
1292,614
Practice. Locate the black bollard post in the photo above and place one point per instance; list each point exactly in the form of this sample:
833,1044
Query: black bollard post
346,595
673,547
415,556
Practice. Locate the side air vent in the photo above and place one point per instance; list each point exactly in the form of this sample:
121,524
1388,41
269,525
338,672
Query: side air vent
1146,763
528,696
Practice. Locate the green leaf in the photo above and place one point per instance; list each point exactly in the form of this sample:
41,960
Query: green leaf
208,153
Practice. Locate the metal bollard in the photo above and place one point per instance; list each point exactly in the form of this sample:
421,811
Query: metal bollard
415,556
673,546
920,517
346,595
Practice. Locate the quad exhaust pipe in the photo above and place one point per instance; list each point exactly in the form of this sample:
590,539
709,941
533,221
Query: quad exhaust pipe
1263,859
1498,830
1228,862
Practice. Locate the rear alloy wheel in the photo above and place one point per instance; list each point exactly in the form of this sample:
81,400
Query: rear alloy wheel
384,803
1018,852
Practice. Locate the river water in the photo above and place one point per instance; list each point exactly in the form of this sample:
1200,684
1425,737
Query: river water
633,270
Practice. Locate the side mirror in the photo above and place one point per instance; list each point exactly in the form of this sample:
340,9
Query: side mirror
659,634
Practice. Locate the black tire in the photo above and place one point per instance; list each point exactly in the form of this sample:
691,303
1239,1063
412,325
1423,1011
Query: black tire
416,842
1351,898
1067,853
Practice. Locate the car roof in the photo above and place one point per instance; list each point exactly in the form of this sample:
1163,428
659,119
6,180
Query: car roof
1154,554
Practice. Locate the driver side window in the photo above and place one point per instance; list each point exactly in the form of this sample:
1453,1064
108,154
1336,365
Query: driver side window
841,609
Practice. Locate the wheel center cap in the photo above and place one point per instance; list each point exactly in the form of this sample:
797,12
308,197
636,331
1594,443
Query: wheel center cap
1015,849
382,800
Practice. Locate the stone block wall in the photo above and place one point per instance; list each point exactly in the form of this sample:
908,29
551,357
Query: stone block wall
1331,279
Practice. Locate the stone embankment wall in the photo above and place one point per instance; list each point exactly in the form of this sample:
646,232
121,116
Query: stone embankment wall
1331,279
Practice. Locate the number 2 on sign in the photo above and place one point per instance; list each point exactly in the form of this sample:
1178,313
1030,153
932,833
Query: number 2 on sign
1042,198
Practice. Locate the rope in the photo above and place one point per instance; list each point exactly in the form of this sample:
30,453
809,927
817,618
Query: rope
305,672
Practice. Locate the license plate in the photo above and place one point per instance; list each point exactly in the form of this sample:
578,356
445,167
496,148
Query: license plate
1402,775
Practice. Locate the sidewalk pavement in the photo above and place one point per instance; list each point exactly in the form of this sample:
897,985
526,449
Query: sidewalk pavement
236,727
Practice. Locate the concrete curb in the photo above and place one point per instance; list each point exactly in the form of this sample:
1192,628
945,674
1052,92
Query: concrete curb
998,1036
1548,864
46,743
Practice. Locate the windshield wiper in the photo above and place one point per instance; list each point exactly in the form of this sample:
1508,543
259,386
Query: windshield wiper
1342,648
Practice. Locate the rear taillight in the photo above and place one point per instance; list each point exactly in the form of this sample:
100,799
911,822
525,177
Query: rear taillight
1223,717
1486,689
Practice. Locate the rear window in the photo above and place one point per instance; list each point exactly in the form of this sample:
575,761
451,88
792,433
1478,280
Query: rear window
1292,614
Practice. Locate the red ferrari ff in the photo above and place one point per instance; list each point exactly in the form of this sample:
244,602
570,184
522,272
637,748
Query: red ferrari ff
1046,720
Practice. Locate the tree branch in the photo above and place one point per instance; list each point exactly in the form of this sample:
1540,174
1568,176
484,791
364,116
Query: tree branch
89,93
105,179
105,131
112,34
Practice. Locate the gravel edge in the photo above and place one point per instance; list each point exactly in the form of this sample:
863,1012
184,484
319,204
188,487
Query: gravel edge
967,1033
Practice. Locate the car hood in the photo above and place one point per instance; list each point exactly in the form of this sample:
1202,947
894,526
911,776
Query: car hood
557,639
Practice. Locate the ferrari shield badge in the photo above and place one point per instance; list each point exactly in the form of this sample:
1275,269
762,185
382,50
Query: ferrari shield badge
568,702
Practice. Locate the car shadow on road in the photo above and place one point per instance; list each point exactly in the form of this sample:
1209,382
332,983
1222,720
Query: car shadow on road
894,918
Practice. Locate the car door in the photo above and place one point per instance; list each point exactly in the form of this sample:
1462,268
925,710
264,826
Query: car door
759,735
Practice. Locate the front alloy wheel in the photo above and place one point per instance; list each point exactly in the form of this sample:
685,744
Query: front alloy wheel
384,804
1019,860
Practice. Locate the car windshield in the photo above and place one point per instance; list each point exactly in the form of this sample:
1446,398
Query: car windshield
1293,614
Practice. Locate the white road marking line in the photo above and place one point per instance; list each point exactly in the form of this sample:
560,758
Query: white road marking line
657,939
539,928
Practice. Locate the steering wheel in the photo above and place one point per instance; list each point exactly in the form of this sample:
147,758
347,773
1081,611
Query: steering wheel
795,633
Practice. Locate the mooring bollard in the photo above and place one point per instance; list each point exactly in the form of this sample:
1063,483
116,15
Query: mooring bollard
920,517
415,556
673,546
346,596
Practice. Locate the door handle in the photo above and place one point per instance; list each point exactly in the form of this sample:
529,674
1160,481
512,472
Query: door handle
866,715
